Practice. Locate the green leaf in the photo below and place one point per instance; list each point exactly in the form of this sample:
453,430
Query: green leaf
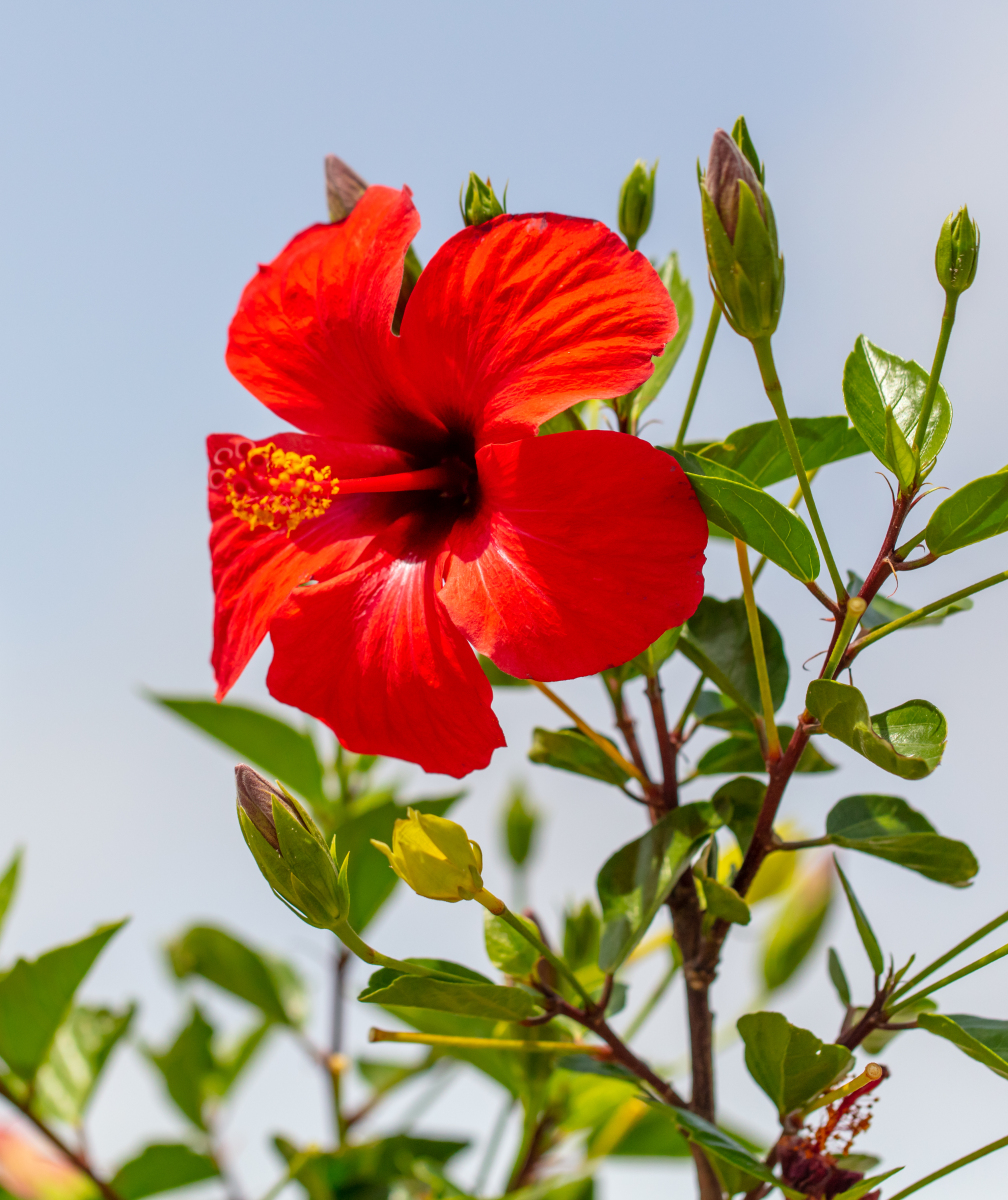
760,454
881,611
365,1169
865,1186
865,931
653,1135
369,878
521,820
739,801
649,660
726,1149
570,750
273,986
508,950
678,289
8,885
162,1167
35,999
741,752
283,752
470,997
889,828
582,931
66,1080
497,677
790,1064
908,740
232,1061
636,881
723,902
752,515
982,1038
721,630
899,456
793,933
839,979
973,513
873,380
187,1067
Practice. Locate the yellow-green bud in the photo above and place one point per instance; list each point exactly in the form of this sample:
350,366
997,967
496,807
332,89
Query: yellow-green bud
957,252
436,858
344,187
636,202
480,204
290,852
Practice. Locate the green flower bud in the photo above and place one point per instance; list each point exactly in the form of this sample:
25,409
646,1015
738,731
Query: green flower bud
480,203
636,202
437,859
520,823
957,252
344,187
746,269
290,852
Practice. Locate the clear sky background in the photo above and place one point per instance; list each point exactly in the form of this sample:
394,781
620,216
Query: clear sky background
153,154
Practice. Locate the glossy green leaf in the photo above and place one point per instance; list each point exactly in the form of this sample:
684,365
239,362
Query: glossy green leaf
741,752
973,513
162,1167
889,828
497,677
721,630
723,902
507,949
187,1066
570,750
8,885
898,454
881,610
283,752
908,740
636,881
838,977
273,986
648,662
792,934
35,999
760,454
982,1038
66,1080
874,379
790,1064
476,997
865,931
752,515
678,289
865,1186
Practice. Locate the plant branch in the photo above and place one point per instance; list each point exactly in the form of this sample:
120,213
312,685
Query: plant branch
698,374
666,750
603,743
625,724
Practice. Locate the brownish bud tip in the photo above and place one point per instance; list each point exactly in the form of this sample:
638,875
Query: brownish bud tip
256,795
344,187
726,166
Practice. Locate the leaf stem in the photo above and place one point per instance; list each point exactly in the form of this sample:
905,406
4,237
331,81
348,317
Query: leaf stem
952,1166
534,940
372,957
603,743
855,611
756,637
698,375
949,955
902,551
768,371
948,320
920,613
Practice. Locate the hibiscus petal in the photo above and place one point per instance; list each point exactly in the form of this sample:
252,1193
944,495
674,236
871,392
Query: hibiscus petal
374,655
584,549
312,337
255,570
517,319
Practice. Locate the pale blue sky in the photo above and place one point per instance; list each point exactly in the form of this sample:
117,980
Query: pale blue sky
153,154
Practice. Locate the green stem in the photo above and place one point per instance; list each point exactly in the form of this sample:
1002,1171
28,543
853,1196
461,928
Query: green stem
974,966
768,371
688,706
956,950
948,319
372,957
793,503
855,611
918,614
756,637
519,926
698,375
902,551
953,1166
450,1042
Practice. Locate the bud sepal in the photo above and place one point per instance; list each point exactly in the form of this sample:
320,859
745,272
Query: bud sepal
636,202
957,252
480,203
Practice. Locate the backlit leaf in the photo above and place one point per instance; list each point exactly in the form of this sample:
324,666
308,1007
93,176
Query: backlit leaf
570,750
508,950
471,997
8,885
678,289
497,677
66,1080
792,934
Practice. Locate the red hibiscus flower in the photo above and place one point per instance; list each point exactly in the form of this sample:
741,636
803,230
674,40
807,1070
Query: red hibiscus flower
417,514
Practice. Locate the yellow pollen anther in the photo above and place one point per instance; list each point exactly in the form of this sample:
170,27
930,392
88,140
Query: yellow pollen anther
278,488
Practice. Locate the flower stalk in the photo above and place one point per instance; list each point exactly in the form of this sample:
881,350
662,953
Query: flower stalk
756,637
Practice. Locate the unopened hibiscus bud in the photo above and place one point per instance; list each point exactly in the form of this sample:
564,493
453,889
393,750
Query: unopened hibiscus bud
290,852
747,272
480,203
344,187
957,252
636,202
437,859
